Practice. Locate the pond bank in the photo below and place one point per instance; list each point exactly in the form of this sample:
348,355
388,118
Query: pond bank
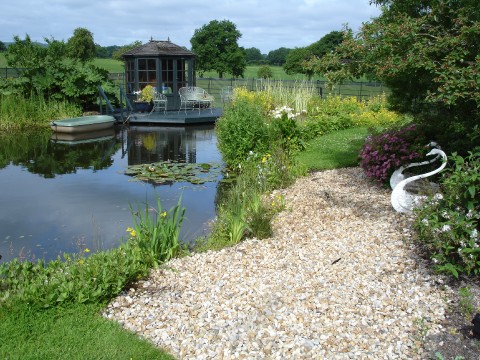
339,279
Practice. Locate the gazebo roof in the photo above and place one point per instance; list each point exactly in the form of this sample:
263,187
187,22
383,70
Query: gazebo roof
159,48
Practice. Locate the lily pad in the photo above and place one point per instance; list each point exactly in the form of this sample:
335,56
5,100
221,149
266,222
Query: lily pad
169,172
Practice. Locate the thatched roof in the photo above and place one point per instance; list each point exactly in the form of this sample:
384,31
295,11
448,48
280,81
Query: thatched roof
158,48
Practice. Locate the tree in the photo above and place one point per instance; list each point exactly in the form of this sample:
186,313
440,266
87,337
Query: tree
427,54
297,58
81,45
216,47
327,44
265,72
3,47
278,57
117,54
253,56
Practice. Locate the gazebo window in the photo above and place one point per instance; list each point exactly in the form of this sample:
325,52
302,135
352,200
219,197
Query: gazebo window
181,74
147,72
167,73
130,73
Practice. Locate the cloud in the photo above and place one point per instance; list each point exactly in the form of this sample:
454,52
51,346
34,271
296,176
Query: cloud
267,24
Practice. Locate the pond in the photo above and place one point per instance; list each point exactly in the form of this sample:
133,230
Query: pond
66,194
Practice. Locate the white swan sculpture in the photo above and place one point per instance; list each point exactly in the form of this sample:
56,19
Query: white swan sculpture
398,174
404,201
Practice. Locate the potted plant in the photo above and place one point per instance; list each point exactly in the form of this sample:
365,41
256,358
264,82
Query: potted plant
144,100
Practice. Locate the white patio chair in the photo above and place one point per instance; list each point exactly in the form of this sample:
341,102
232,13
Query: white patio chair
159,102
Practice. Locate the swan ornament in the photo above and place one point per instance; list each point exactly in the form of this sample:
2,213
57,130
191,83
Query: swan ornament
404,201
398,174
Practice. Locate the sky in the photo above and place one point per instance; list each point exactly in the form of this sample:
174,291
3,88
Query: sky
265,24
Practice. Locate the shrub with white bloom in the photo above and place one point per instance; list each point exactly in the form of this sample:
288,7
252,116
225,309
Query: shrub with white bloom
278,112
474,234
446,228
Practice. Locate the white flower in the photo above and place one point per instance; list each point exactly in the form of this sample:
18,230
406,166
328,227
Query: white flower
425,221
474,234
446,228
438,196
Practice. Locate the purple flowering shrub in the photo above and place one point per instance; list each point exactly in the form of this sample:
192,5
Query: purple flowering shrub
385,152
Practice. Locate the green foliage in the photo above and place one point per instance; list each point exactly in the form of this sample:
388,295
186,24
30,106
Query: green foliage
265,72
49,71
81,46
278,57
3,47
158,236
254,56
427,54
117,55
19,113
147,93
241,129
216,47
295,59
330,114
299,57
285,131
448,224
77,279
466,302
245,210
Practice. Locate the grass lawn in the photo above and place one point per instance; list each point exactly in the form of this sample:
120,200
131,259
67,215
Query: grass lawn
335,150
77,332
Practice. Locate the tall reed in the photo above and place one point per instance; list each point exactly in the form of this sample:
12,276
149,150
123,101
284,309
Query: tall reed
18,112
158,235
295,94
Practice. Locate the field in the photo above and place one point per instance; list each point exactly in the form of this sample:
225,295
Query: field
210,81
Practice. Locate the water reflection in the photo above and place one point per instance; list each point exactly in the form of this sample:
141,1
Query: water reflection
147,145
61,194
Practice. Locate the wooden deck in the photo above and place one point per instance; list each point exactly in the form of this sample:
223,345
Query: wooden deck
204,116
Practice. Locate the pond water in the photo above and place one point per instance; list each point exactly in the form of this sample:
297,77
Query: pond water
63,195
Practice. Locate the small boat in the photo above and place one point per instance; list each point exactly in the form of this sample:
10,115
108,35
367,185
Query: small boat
83,137
83,124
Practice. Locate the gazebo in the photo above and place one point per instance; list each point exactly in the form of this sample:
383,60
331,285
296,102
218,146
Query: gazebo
162,64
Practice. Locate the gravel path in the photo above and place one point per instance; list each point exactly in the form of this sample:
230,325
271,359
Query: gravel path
338,280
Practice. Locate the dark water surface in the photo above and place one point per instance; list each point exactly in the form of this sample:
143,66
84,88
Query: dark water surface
61,195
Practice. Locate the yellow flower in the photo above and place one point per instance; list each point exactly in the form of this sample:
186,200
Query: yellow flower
81,261
132,232
163,214
87,250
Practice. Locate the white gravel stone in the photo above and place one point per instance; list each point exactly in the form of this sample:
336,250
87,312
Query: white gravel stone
339,280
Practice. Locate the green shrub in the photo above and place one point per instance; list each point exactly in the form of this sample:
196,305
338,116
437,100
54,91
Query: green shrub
449,224
242,128
265,72
285,131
